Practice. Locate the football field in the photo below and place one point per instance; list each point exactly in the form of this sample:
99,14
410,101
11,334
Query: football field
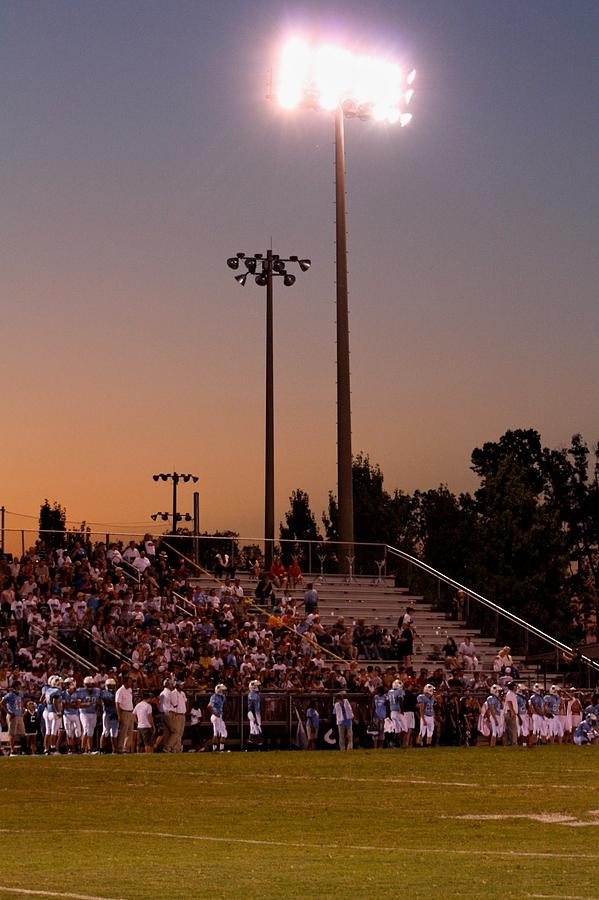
440,822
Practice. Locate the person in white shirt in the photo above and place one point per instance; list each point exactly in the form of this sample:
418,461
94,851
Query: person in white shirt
142,713
344,715
167,717
124,708
179,705
141,562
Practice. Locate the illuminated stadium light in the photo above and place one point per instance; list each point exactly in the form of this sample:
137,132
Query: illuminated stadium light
328,77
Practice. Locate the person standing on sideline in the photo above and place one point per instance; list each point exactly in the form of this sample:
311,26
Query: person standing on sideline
254,716
179,706
12,706
216,707
110,718
510,715
72,722
537,711
344,715
167,715
493,714
87,697
124,708
142,713
426,711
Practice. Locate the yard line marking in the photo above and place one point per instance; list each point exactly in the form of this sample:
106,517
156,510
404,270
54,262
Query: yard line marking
32,893
546,818
562,897
301,845
352,779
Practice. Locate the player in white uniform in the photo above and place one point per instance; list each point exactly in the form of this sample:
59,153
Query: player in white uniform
88,712
536,705
216,708
51,699
254,714
555,731
426,709
396,696
523,716
72,722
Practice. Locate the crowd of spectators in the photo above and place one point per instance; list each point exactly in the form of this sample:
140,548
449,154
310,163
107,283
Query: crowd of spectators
135,611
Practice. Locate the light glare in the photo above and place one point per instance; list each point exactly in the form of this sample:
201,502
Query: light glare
405,119
328,76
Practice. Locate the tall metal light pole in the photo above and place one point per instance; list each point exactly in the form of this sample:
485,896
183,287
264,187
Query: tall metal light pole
176,477
264,268
350,86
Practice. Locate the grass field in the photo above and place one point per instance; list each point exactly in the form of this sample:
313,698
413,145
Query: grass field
265,825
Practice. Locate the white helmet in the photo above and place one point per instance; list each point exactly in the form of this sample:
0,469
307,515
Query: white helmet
521,689
397,685
254,685
429,690
70,682
591,717
496,690
554,690
88,681
220,689
537,688
54,681
110,682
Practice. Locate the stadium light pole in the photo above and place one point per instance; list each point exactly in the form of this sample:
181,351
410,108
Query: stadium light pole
175,477
264,267
350,86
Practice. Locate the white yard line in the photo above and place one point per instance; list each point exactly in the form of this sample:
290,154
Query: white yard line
32,893
353,779
301,845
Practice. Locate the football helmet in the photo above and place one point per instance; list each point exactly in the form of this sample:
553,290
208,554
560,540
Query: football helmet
429,690
397,685
496,690
254,686
537,688
220,689
554,690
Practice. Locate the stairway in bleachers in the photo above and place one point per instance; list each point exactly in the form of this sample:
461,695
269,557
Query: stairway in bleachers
381,603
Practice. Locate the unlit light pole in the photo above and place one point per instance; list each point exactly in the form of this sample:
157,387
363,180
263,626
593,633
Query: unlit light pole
264,268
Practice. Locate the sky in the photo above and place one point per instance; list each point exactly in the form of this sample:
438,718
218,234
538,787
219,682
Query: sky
139,151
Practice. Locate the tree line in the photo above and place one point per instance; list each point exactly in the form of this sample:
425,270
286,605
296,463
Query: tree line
527,537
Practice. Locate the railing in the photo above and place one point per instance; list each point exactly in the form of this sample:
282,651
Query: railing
65,650
106,648
498,611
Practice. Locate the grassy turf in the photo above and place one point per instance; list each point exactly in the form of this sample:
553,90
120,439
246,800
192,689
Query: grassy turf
374,824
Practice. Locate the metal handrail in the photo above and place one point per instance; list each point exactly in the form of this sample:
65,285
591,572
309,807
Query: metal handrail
98,642
65,650
484,601
182,608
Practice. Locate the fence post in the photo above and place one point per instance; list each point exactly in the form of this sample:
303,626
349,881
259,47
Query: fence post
310,557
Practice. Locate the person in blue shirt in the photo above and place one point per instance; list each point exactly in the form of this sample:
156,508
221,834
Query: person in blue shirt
553,722
254,716
493,714
216,708
88,697
523,717
12,706
51,698
586,732
312,725
72,722
110,718
396,696
379,714
537,713
426,710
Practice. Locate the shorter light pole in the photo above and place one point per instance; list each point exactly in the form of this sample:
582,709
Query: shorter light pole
176,477
264,267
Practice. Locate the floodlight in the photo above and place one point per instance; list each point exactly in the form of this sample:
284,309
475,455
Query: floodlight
250,265
261,279
279,266
155,477
241,279
328,76
258,255
240,255
233,262
195,479
288,280
305,264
